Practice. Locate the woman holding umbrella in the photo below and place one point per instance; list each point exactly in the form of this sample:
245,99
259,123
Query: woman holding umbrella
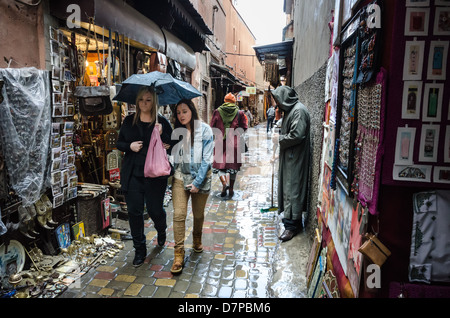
134,139
192,179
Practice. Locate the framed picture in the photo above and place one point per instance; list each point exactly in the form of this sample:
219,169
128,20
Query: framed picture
78,230
56,177
447,145
412,97
417,21
432,102
58,200
404,149
413,62
437,60
429,143
413,173
441,175
417,3
442,21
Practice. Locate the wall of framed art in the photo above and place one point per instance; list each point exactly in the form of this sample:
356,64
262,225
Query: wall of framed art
419,82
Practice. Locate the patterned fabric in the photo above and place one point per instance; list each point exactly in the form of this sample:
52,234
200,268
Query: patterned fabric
430,247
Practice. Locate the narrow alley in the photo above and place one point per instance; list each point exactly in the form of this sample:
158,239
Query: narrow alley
242,257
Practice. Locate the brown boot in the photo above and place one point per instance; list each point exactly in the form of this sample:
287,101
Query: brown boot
197,242
178,262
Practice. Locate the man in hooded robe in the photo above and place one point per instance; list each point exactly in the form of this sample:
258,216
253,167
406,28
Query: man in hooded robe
294,143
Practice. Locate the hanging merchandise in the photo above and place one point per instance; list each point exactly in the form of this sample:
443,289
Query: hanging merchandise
370,41
63,175
158,62
93,100
271,73
376,251
369,142
25,126
430,244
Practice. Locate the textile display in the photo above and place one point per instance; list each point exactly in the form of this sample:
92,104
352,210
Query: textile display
25,126
369,142
430,248
402,290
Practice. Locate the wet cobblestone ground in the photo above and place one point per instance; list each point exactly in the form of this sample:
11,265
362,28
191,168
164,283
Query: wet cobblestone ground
242,257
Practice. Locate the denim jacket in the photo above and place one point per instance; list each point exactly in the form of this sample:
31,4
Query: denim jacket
197,159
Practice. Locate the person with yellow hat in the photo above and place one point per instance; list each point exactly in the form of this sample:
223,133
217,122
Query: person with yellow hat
228,119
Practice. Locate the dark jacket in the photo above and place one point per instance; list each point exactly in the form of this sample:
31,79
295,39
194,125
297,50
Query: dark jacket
133,163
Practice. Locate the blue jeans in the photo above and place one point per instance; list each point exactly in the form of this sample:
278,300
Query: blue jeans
151,192
270,123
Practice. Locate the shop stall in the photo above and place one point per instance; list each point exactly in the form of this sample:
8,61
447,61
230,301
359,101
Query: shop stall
59,167
384,179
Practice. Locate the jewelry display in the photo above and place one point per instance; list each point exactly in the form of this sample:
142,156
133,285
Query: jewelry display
368,142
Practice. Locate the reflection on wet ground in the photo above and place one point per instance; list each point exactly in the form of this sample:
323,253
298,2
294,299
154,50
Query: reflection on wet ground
242,257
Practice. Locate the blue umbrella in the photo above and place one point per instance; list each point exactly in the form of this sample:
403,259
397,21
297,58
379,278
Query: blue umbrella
169,89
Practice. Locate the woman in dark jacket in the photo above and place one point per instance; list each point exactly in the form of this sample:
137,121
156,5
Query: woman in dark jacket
134,139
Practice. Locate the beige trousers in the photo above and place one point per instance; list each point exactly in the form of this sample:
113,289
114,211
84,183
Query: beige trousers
180,198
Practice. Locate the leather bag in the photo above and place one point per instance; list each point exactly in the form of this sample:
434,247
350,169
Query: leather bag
94,100
376,251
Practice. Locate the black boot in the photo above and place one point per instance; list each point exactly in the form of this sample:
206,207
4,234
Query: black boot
161,239
139,257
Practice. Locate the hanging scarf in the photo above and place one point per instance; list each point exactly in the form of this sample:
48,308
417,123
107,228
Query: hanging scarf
228,112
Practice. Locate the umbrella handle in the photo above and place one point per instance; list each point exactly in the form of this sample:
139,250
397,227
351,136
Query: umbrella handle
156,108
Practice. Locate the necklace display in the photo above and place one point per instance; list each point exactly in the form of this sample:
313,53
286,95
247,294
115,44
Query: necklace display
347,104
367,141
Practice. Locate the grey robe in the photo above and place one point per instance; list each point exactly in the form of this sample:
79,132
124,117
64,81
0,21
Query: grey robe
294,154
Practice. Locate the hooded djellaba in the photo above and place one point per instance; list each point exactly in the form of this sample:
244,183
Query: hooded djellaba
294,142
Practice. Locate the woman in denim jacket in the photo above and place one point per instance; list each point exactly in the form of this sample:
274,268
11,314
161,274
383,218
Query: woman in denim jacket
193,159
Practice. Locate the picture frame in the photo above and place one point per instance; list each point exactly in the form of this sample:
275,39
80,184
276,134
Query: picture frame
429,143
447,145
437,60
56,128
56,177
412,99
432,102
413,60
412,173
58,200
53,33
417,21
58,111
417,3
441,175
442,2
404,149
68,126
442,21
78,230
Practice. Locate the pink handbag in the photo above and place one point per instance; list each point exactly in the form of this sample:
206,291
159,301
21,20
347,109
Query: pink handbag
156,163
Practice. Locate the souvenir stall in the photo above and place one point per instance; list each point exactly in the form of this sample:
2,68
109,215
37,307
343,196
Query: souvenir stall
384,166
59,167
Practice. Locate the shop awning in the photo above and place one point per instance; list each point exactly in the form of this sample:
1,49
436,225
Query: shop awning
282,49
122,18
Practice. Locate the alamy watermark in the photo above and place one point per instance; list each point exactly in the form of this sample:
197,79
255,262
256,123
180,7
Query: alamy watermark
374,16
74,19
